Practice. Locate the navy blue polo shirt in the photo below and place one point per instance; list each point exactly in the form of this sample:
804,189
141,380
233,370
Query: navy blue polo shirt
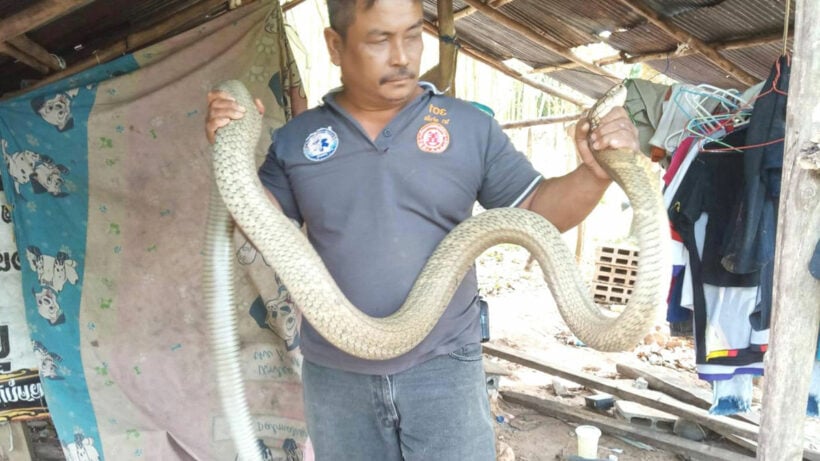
376,209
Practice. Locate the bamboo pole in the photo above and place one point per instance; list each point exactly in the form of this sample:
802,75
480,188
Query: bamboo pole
37,52
540,121
796,303
37,15
9,50
132,42
748,42
447,51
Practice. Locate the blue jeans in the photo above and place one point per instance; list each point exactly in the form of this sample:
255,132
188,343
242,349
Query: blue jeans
438,410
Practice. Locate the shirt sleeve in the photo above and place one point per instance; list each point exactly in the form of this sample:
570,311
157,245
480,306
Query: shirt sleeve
274,178
509,177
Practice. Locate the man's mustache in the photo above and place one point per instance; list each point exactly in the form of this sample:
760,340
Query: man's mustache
399,75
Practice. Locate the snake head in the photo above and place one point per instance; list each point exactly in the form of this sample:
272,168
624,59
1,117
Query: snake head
614,97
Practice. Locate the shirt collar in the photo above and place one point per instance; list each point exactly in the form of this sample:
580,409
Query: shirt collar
330,98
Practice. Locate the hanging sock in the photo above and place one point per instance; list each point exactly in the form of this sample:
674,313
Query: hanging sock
732,396
814,393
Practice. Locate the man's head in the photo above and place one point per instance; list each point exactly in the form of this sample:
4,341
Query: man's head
378,45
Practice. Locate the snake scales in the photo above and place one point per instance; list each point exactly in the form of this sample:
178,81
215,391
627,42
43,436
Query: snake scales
323,304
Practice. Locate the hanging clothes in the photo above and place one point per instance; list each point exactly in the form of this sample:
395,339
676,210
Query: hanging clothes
752,242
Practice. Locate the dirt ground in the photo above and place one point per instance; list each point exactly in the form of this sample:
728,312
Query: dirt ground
523,316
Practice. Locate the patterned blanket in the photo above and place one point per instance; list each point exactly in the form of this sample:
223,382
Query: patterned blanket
107,176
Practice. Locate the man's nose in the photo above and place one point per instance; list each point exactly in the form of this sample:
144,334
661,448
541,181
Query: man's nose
398,54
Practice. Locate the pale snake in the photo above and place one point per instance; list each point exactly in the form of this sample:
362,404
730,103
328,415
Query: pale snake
322,303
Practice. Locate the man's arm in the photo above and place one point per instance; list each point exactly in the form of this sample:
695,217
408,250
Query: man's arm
566,200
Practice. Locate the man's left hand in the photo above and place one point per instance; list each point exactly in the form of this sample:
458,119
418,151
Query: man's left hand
616,131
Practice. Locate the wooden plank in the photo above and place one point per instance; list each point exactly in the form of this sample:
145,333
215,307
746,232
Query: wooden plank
719,424
700,398
667,387
37,15
795,310
610,426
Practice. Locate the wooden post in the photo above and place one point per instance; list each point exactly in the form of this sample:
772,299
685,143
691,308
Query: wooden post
447,51
796,306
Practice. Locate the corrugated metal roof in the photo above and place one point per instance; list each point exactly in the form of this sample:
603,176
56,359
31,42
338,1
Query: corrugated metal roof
572,23
566,23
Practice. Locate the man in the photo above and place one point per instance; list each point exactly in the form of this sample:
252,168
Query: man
379,174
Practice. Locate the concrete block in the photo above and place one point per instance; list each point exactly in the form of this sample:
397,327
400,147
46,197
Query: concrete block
641,415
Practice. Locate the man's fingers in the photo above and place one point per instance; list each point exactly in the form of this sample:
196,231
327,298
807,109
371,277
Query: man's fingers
214,124
259,106
216,94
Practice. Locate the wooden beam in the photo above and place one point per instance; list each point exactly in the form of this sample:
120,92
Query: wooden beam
541,121
662,381
510,72
746,42
755,40
610,426
463,13
134,41
290,4
795,309
507,70
447,50
467,11
31,48
537,38
694,43
720,46
9,50
719,424
37,15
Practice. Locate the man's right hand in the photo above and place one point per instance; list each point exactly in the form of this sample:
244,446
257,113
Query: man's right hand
222,108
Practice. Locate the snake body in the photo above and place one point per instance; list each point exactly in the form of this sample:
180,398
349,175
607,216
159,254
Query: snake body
322,303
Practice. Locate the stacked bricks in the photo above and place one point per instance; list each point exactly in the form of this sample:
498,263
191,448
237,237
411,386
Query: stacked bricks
615,271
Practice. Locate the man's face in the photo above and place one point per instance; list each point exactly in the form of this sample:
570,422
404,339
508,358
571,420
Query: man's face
381,54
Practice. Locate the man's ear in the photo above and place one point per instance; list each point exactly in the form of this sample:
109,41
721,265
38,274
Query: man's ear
335,44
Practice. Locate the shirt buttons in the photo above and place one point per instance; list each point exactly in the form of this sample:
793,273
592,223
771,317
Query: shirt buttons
387,133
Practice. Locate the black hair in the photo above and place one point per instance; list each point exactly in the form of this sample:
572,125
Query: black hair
342,13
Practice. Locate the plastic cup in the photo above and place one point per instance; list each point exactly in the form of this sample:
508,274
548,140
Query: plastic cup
588,441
